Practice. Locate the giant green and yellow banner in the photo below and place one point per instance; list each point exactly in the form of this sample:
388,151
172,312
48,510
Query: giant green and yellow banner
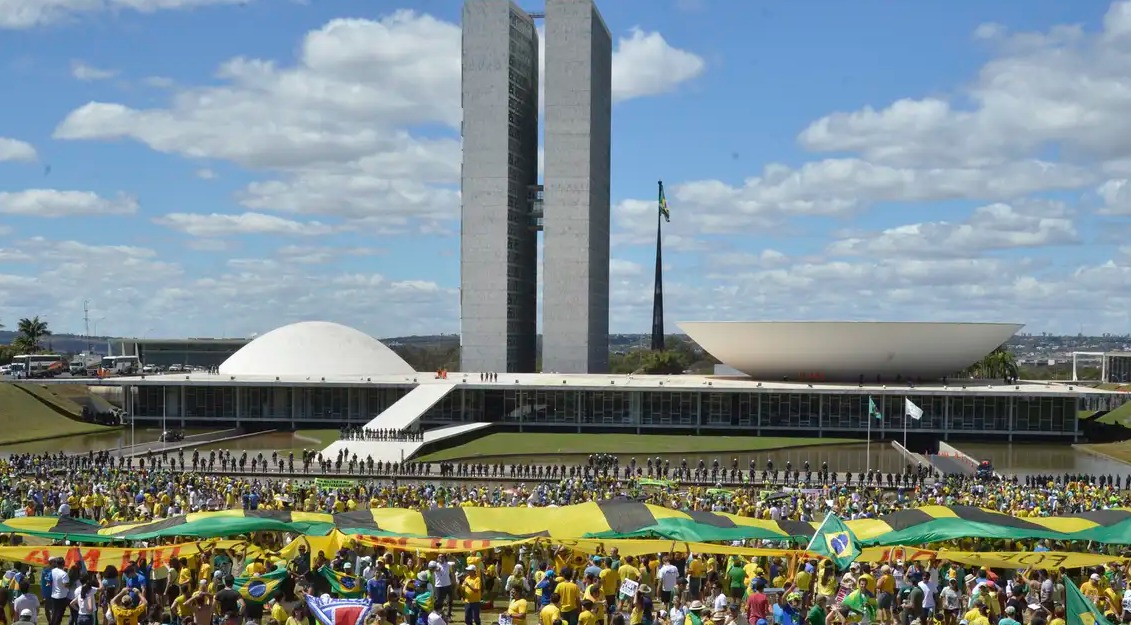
618,519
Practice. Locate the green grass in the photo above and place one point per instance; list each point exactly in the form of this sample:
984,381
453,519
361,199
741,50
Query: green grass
1119,416
50,395
324,438
1120,451
1085,414
511,444
27,418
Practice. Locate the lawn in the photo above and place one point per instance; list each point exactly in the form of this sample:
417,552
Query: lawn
319,439
50,394
511,444
1119,416
27,418
1120,451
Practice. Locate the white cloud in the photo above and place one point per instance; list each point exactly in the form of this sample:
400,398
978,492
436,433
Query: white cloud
89,73
16,150
317,255
1063,86
334,123
205,174
20,14
221,225
53,203
992,227
644,64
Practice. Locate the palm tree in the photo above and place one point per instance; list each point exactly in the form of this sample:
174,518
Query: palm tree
30,332
1000,363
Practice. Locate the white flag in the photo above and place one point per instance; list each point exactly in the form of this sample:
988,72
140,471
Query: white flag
911,410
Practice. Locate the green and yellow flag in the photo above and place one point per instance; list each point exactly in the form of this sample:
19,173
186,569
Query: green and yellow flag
873,411
664,204
836,542
260,588
341,584
1078,610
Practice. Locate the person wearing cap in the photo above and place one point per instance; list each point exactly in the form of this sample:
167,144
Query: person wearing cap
1010,617
26,616
472,590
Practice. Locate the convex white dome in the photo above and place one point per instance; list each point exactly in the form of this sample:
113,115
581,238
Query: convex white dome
315,348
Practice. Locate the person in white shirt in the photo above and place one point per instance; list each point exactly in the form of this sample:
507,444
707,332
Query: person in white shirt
719,609
668,576
435,618
442,580
26,601
60,592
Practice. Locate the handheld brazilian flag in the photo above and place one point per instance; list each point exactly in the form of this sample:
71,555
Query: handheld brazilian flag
833,540
260,588
1078,609
664,204
342,584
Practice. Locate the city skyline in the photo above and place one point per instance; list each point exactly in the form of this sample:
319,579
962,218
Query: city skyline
818,165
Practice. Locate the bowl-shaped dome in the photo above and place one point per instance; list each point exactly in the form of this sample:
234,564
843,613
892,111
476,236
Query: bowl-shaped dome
846,350
315,348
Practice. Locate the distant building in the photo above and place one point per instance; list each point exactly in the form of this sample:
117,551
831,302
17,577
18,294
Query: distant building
1117,367
162,353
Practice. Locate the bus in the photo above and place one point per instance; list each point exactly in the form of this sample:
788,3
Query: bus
40,365
119,365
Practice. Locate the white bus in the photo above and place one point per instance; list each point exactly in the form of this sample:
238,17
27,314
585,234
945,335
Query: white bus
40,365
119,365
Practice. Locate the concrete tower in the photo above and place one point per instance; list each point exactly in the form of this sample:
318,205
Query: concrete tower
498,241
578,101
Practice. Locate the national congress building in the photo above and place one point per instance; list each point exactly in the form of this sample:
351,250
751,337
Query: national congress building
505,207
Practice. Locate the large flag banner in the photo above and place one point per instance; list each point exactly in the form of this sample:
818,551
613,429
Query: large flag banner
341,583
339,611
836,542
1078,610
911,410
664,205
260,588
873,411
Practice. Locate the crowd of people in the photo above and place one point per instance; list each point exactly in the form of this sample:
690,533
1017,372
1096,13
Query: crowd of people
543,585
359,433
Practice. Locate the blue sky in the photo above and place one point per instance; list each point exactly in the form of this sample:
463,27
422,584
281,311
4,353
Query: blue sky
221,167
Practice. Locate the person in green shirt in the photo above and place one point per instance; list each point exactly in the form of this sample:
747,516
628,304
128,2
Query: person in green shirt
737,578
817,613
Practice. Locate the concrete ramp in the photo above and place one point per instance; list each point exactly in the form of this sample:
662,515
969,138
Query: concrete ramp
407,410
398,451
402,415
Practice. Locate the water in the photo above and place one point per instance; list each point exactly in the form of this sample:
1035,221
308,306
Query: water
91,442
1042,458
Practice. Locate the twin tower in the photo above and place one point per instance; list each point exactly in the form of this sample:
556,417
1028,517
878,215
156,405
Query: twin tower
505,206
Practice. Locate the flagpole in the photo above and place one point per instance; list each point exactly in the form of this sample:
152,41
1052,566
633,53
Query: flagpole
658,293
905,417
817,533
868,453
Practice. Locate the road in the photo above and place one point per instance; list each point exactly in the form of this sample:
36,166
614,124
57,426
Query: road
947,465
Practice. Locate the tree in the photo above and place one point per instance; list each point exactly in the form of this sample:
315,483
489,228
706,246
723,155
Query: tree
1000,363
30,333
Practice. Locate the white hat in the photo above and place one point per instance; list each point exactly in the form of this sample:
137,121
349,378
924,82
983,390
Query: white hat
1095,577
25,612
347,565
471,567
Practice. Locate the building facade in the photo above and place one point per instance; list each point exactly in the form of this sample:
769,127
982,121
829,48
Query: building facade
1117,367
1002,415
578,116
498,243
164,353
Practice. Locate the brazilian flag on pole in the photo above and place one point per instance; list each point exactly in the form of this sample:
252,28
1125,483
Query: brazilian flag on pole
260,588
833,540
341,584
664,205
873,411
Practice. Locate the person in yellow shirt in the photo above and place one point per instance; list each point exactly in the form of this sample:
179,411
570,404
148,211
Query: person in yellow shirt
518,607
181,606
696,569
124,610
548,614
587,617
472,590
569,596
979,615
